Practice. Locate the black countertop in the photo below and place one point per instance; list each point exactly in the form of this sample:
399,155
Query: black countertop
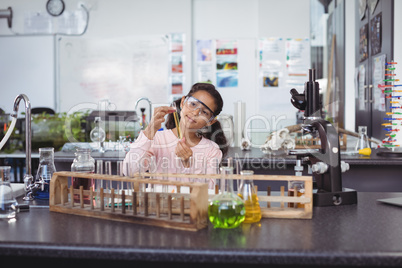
367,234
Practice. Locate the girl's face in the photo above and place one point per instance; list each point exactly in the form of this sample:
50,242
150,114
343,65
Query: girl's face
194,111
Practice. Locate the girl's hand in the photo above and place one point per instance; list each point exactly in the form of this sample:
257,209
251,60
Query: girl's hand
184,152
157,119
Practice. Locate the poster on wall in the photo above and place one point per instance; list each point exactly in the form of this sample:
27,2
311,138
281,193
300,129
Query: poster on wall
226,63
272,55
205,70
177,63
375,34
176,42
378,79
297,61
204,50
176,50
363,43
177,84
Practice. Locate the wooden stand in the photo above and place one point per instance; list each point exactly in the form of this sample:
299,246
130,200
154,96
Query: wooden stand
185,209
314,143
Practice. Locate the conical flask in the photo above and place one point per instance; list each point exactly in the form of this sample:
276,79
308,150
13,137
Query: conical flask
8,204
226,210
45,171
362,141
248,193
83,162
97,134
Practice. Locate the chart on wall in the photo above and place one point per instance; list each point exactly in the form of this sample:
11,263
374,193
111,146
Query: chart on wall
217,62
283,62
177,59
375,34
120,70
226,63
272,64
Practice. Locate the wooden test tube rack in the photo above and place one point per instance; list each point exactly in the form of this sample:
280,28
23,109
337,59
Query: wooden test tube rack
179,210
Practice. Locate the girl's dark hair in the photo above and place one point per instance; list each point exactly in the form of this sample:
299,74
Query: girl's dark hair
213,132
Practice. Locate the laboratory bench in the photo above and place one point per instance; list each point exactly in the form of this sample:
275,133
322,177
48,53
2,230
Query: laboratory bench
366,234
367,173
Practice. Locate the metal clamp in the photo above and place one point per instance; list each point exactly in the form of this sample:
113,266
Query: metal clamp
32,187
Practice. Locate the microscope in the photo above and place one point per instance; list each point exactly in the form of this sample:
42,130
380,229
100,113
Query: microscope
325,162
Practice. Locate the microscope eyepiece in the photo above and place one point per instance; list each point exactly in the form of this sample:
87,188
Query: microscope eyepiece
298,100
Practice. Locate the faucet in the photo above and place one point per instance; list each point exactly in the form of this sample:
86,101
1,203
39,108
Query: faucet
28,178
325,164
149,103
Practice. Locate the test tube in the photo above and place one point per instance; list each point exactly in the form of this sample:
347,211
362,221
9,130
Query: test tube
165,171
108,171
99,183
152,169
99,166
119,172
108,186
184,168
238,166
215,163
178,166
177,121
203,167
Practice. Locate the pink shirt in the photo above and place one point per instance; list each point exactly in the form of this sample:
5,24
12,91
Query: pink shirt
206,156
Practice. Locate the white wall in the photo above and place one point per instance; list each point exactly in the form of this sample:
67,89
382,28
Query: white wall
20,57
107,19
286,19
244,20
247,21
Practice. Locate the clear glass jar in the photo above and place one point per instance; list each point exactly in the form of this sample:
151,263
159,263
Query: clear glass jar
248,193
8,204
45,171
83,162
226,210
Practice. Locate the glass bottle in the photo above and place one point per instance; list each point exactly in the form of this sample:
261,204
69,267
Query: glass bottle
8,204
248,193
45,171
226,210
362,141
97,134
83,162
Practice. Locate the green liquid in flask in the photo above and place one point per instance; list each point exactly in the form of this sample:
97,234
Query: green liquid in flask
226,214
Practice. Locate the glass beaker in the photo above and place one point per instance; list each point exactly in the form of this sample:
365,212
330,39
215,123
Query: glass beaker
83,162
226,210
248,193
8,204
362,141
45,171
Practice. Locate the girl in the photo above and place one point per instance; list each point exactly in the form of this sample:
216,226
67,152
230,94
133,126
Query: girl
203,142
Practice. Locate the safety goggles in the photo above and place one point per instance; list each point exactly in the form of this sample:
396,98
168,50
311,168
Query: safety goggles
204,111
